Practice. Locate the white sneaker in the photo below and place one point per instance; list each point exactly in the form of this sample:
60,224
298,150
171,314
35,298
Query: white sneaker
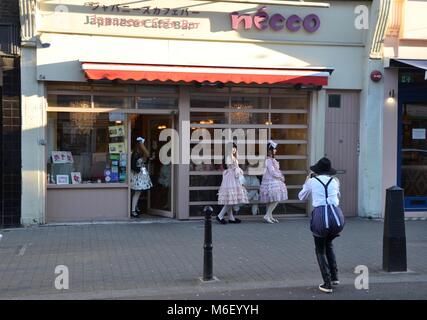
267,220
274,220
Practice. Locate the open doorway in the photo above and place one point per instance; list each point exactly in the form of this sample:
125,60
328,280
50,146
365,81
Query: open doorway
158,200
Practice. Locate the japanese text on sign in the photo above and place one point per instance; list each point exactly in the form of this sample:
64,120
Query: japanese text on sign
147,10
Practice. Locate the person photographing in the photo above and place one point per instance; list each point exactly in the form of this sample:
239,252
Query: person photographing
327,219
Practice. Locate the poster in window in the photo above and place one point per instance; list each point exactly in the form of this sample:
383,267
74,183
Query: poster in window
116,131
76,178
62,179
118,147
62,157
418,134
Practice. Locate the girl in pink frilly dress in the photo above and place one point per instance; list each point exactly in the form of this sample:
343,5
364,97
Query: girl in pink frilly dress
273,188
232,191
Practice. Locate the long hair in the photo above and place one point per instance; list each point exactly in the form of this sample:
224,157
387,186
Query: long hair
141,149
270,149
229,153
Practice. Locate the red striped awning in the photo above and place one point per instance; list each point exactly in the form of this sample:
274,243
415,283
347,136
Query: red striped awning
138,72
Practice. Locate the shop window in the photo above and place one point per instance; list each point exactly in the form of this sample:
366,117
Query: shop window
209,102
59,86
209,118
292,164
210,90
289,134
113,88
292,102
115,102
249,90
289,118
86,148
156,103
69,101
154,90
246,104
252,111
414,150
205,180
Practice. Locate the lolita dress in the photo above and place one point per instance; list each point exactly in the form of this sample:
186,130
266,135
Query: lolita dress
139,176
232,191
273,188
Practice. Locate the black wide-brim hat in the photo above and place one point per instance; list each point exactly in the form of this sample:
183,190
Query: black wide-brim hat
323,166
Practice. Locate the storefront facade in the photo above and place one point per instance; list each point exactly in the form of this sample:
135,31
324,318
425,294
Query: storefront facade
405,107
10,115
98,75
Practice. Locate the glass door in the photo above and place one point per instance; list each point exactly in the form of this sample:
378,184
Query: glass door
158,200
160,196
414,156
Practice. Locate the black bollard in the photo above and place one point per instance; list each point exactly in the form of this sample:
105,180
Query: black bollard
394,239
207,256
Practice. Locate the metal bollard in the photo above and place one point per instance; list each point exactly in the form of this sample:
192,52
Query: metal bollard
207,247
394,238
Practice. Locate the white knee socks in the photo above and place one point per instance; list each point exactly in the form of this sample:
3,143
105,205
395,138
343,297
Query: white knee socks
229,210
270,208
135,199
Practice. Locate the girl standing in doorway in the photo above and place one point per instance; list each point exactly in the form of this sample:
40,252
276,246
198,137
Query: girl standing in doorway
232,191
273,188
139,177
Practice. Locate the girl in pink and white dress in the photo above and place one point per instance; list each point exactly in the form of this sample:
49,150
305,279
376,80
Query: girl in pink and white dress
273,188
232,191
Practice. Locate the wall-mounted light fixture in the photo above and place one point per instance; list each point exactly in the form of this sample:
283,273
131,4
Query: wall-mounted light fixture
391,97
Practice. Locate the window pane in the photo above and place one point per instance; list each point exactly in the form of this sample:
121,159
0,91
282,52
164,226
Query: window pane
204,195
414,150
295,179
248,103
292,149
97,147
152,90
70,101
289,134
209,102
209,117
246,117
206,180
290,103
156,103
293,164
113,88
210,90
287,118
293,193
249,90
68,86
113,102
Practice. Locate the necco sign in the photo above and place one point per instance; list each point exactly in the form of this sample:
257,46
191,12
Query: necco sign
262,21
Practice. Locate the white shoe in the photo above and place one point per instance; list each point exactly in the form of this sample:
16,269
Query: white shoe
267,220
274,220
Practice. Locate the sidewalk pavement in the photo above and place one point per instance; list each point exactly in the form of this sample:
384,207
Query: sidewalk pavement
113,261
